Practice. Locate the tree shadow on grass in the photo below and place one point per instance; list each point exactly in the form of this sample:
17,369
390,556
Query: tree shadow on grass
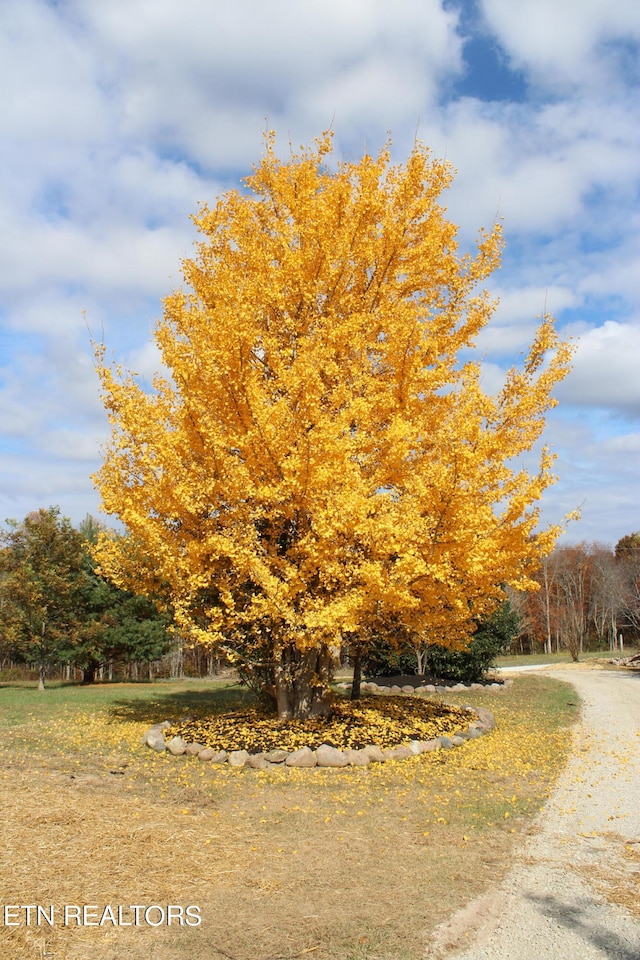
574,916
180,704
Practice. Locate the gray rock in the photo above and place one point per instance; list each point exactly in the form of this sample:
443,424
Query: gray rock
429,688
395,689
430,745
458,686
474,733
357,758
408,688
328,756
398,753
158,727
238,758
193,749
257,761
446,743
374,753
157,730
159,744
276,756
153,737
301,758
177,746
457,741
416,747
486,717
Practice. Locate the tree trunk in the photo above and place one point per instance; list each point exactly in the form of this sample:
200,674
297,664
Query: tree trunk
176,662
89,672
212,663
357,676
43,663
547,609
301,682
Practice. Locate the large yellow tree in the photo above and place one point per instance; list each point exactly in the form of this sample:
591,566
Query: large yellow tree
318,463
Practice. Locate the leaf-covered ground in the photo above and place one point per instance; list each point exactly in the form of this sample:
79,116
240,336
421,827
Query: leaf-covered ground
384,721
275,854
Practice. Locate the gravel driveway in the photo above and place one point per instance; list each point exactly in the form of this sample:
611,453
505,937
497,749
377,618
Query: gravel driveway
557,902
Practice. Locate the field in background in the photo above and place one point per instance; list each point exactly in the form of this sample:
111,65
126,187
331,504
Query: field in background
558,659
351,864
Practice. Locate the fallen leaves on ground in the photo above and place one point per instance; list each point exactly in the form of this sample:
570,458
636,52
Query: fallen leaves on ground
384,721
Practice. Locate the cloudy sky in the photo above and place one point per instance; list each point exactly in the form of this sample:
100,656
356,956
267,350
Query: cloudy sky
119,117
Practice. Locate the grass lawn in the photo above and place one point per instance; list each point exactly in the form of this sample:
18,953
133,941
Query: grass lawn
557,659
338,864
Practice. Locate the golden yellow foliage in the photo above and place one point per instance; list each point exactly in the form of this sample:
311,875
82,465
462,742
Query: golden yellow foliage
320,463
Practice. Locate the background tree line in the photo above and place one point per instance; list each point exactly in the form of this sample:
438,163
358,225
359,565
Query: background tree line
589,598
58,615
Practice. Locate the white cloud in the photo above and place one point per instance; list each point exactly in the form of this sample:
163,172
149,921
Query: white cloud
204,81
48,75
605,370
615,271
491,377
537,166
524,303
146,362
564,43
41,256
518,314
71,445
32,481
597,472
627,445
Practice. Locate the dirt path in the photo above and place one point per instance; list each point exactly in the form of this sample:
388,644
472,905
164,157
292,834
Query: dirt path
574,891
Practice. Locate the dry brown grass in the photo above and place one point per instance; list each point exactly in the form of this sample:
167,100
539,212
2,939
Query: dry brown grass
334,864
617,874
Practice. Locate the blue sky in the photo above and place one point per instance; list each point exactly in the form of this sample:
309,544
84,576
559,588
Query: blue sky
120,117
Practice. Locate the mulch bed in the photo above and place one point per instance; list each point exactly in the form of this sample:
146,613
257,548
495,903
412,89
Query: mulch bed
385,721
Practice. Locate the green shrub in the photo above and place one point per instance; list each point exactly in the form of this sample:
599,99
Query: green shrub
470,665
387,659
